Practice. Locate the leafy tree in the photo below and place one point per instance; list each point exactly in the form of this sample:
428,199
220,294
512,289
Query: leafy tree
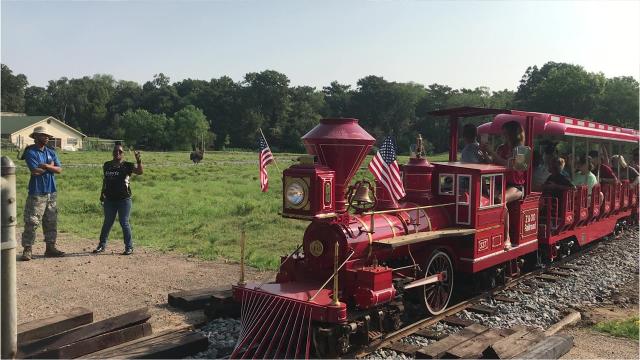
145,130
190,125
337,98
619,102
560,88
159,97
267,93
306,104
13,90
37,101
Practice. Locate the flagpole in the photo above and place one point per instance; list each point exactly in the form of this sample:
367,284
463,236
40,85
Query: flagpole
265,140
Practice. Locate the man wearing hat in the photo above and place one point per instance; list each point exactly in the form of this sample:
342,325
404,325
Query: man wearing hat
41,204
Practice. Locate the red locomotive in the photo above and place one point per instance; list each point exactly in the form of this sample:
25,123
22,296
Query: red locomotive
448,230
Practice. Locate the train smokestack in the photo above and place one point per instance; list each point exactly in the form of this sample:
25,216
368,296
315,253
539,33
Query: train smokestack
341,144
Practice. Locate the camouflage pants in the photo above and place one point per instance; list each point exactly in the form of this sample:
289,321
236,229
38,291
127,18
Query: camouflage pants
40,209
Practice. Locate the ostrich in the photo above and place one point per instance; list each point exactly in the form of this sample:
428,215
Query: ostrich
196,155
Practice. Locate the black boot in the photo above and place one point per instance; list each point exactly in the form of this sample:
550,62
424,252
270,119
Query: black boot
51,251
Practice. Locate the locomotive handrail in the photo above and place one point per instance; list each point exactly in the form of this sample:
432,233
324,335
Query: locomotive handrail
332,275
406,209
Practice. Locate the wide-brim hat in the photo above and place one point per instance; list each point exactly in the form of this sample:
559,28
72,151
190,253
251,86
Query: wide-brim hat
39,130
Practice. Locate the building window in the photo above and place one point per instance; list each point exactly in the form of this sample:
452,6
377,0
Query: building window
72,141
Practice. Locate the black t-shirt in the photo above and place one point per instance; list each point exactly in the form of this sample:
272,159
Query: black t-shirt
116,180
558,179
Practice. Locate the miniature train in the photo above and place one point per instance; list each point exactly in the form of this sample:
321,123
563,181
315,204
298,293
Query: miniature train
446,233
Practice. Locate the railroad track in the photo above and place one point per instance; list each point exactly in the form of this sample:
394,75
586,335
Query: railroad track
392,341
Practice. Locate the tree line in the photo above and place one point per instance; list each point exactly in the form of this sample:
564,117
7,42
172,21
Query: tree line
227,114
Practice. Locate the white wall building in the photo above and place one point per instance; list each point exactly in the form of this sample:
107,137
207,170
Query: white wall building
16,129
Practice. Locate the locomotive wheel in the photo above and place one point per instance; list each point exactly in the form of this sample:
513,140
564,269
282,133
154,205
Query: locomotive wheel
325,342
437,295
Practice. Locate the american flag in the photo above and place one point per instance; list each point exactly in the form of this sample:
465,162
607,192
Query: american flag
265,157
385,168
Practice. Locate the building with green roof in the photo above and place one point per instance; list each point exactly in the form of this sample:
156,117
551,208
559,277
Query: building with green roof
16,128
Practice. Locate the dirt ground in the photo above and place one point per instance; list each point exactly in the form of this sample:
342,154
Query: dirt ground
111,284
590,344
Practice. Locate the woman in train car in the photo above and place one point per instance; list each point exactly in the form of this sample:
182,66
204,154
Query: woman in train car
585,176
513,135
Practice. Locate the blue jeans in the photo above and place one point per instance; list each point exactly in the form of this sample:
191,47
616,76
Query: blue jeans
123,209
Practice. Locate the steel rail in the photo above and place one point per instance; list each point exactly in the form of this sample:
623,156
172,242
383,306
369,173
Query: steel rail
422,323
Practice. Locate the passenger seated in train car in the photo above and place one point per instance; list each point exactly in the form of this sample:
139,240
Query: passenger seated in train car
540,171
626,172
513,135
634,179
584,175
601,166
471,153
557,182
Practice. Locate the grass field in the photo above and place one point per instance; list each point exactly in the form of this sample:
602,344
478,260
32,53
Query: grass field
628,328
193,209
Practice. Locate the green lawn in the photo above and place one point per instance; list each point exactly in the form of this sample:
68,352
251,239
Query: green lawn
628,328
194,209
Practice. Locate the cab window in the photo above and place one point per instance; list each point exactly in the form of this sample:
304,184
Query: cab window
445,184
491,190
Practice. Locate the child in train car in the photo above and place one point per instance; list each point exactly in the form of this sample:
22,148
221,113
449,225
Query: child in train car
557,182
584,175
471,153
513,135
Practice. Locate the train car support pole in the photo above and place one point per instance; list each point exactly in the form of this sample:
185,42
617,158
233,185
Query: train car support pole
453,133
9,328
242,282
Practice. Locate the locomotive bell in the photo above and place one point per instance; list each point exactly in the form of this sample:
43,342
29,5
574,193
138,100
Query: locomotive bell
362,196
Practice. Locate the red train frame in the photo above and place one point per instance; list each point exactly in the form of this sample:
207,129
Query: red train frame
444,232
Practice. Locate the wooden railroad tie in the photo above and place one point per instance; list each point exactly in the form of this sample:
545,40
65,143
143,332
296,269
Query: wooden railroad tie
437,349
513,344
559,272
549,278
504,299
456,321
431,334
38,348
482,309
473,348
196,299
569,267
98,343
523,290
42,328
170,344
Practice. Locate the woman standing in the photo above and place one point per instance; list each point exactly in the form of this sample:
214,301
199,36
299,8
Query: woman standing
116,196
513,135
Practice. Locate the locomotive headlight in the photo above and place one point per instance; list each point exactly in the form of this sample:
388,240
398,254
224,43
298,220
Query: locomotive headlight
295,193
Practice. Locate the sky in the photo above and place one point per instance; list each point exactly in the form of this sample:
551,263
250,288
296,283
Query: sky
455,43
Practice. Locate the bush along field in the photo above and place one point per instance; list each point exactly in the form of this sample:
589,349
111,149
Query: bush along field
198,210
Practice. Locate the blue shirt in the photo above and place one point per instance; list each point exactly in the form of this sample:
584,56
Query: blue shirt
45,183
